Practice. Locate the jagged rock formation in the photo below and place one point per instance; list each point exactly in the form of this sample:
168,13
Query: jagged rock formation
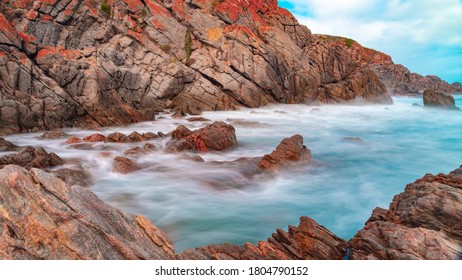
43,218
72,63
289,152
396,77
307,241
423,222
31,157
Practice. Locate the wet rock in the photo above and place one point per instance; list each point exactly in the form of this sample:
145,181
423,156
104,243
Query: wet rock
31,157
74,176
181,132
6,146
423,222
150,135
94,138
135,152
57,134
433,98
217,136
289,152
416,105
148,147
82,146
44,218
117,137
73,140
247,124
136,137
124,165
354,140
198,119
307,241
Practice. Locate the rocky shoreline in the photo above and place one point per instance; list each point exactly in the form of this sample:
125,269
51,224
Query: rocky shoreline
43,217
68,63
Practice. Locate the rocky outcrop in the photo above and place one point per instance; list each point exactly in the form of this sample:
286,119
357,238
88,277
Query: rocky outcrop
307,241
71,63
7,146
125,165
400,81
436,99
31,157
423,222
342,56
289,152
43,218
217,136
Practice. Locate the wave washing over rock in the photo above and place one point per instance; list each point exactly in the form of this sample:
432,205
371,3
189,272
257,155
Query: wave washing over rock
71,63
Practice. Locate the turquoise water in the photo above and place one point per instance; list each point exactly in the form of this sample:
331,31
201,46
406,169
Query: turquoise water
342,186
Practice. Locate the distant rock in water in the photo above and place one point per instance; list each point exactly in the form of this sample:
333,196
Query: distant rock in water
41,217
423,222
433,98
354,140
289,152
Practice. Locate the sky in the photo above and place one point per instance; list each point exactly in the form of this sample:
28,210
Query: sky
425,35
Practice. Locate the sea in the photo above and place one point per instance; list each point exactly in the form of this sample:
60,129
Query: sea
362,157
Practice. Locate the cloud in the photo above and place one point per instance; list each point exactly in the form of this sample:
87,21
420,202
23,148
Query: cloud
409,30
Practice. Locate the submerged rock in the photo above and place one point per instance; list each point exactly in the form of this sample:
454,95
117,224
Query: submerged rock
423,222
198,119
354,140
432,98
289,152
32,157
57,134
41,217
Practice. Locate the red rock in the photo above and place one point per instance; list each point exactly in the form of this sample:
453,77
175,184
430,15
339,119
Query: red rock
290,151
42,217
423,222
124,165
136,137
217,136
181,132
73,140
117,137
94,138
